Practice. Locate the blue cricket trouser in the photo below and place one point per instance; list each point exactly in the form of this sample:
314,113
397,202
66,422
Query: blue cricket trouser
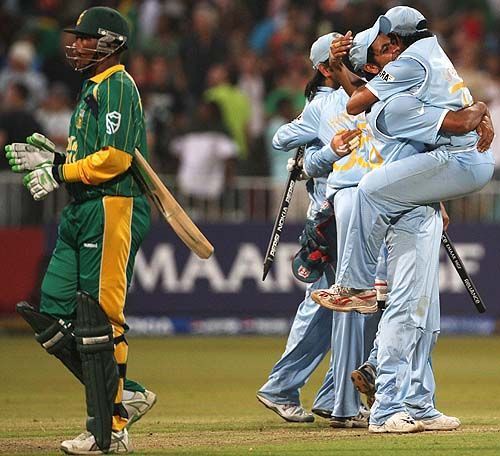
307,345
352,333
386,193
409,325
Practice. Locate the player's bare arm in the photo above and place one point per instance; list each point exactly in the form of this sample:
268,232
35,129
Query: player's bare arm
464,120
360,101
338,50
474,117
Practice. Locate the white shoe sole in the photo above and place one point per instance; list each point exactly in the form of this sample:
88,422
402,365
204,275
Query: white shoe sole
72,451
399,423
443,425
374,429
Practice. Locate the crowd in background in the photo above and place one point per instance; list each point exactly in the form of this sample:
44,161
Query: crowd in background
217,77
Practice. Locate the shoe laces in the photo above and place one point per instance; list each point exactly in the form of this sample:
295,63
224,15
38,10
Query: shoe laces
294,409
84,435
361,416
339,289
407,418
369,369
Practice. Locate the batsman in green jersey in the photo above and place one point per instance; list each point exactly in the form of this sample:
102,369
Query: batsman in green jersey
81,318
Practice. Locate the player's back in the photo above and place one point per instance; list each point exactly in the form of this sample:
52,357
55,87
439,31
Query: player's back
442,87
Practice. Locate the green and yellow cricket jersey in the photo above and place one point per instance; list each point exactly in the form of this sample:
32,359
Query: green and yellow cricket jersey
106,126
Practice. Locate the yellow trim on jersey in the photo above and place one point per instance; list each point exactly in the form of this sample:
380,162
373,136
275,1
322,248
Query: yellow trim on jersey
456,87
375,159
107,73
99,167
116,242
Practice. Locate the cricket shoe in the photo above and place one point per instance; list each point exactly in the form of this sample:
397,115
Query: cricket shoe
441,423
137,404
364,411
327,414
399,423
85,444
358,421
343,299
364,380
289,412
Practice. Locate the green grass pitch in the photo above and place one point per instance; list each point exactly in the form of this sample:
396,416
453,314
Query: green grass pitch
206,401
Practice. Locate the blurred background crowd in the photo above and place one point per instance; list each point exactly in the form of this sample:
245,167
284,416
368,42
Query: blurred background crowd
217,77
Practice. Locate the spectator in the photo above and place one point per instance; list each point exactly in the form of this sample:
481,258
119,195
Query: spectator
139,69
166,103
16,120
57,69
277,159
54,115
202,47
234,104
291,85
166,40
206,157
16,124
285,112
251,83
19,69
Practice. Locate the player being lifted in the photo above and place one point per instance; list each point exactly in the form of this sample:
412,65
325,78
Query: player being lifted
81,318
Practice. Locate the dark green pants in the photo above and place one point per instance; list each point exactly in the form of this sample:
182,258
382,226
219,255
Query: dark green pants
95,252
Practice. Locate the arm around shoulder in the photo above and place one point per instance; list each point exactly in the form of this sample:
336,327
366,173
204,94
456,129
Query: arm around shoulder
360,101
464,120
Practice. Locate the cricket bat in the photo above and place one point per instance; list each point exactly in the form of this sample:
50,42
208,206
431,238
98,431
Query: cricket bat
171,210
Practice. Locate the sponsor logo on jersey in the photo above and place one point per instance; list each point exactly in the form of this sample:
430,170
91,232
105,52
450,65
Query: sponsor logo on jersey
385,76
113,120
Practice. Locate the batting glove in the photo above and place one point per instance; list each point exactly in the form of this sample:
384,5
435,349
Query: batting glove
27,156
40,182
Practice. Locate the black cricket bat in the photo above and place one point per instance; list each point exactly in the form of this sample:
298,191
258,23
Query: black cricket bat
462,272
282,213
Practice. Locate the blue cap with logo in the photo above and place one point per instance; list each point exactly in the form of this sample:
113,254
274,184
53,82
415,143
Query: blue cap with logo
320,49
405,20
358,55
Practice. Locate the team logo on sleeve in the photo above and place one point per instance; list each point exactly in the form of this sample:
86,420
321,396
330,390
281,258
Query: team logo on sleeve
79,119
113,120
385,76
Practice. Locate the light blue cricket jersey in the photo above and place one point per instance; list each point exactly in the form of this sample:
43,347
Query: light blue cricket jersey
303,131
405,125
346,171
425,71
